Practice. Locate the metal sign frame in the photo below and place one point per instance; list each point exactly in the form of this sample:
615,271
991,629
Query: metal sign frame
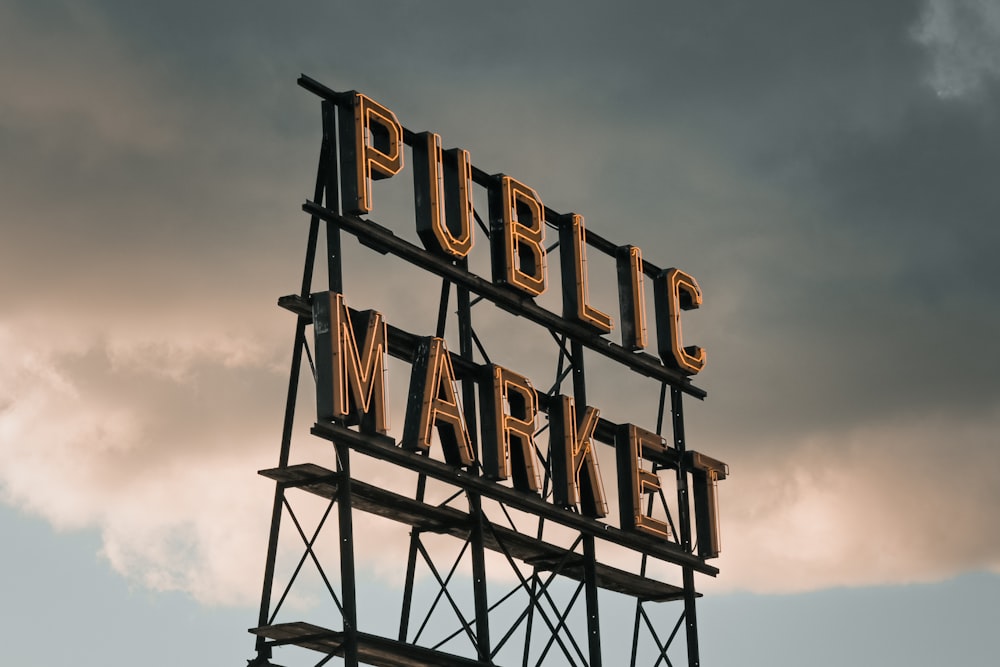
545,624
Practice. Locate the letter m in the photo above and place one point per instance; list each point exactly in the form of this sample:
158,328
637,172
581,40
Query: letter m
350,379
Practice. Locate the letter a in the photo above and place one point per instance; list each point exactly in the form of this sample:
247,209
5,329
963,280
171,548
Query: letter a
433,402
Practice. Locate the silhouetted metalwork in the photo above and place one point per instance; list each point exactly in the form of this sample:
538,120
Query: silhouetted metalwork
552,582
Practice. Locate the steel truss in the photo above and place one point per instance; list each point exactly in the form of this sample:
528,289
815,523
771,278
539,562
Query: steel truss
552,585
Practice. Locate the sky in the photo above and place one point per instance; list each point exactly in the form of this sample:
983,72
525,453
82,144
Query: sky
825,170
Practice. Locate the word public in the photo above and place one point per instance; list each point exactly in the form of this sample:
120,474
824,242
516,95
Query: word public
371,148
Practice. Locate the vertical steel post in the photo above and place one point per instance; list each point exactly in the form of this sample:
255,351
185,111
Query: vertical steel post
322,171
684,519
411,558
348,584
589,545
593,614
479,588
411,569
345,507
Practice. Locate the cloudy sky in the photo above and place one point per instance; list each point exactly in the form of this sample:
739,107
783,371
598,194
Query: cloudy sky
826,170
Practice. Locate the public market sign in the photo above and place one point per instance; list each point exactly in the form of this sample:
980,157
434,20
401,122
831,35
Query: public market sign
351,346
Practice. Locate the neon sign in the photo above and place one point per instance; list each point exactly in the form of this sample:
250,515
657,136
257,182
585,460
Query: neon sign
351,346
524,472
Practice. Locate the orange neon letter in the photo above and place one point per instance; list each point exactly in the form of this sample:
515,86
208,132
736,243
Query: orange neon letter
371,148
434,402
576,475
350,380
442,184
573,260
635,482
508,405
705,474
677,291
517,223
631,297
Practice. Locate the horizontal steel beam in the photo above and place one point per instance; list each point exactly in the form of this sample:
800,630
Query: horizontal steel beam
384,240
372,649
385,448
452,521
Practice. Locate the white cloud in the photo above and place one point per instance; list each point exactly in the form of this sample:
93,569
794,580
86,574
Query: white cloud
963,38
179,356
157,451
887,503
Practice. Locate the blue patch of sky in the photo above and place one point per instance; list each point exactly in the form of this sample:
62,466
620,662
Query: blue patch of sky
63,604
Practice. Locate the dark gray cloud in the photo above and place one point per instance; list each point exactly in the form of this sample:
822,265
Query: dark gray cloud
808,164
